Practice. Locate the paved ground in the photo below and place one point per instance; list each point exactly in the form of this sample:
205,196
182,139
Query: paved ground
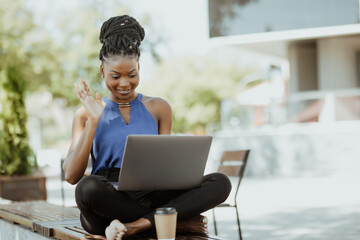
288,208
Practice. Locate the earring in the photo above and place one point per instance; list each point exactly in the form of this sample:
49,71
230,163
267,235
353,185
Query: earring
103,84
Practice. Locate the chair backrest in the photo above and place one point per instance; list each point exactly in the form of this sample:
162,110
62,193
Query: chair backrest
233,164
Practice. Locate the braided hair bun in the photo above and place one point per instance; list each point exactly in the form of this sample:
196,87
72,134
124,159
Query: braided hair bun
121,35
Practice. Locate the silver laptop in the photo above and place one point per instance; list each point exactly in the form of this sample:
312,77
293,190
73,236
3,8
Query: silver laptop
163,162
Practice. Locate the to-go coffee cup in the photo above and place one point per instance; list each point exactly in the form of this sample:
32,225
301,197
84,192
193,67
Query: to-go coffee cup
165,223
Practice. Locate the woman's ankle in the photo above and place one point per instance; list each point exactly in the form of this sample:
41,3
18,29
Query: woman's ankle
139,225
197,225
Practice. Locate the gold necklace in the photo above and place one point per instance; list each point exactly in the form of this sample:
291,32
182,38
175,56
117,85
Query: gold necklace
125,104
122,105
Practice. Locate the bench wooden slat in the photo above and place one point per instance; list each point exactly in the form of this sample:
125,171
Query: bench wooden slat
40,216
66,233
41,210
15,218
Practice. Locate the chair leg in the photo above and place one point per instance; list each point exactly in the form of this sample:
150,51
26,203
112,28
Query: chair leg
213,211
238,222
62,193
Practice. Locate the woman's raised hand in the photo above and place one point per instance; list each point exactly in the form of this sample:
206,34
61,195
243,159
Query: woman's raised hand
94,107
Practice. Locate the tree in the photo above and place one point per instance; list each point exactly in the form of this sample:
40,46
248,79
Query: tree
52,51
52,58
195,86
16,155
15,41
80,46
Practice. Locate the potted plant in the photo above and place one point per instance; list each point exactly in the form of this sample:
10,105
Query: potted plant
20,178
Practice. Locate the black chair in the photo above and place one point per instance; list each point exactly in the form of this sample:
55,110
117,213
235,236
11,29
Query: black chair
232,164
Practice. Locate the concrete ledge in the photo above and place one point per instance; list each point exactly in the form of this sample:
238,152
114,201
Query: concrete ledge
10,231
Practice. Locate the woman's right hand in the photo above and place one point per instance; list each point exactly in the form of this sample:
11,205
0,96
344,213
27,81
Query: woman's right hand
93,106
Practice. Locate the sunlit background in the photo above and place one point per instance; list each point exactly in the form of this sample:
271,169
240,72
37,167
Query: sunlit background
278,77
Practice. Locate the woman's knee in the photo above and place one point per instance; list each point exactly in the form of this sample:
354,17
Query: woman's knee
222,184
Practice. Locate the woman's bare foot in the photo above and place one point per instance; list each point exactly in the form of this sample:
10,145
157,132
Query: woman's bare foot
115,231
197,225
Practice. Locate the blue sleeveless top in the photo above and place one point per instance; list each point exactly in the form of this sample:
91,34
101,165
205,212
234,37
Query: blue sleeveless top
111,132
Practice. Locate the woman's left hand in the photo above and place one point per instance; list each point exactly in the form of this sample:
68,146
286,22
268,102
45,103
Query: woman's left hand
93,106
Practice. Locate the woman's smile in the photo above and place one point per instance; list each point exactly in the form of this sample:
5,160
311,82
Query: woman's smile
124,92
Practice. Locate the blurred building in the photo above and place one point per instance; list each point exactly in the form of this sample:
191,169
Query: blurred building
315,82
320,40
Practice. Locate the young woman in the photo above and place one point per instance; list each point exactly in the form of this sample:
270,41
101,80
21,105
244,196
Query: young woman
100,128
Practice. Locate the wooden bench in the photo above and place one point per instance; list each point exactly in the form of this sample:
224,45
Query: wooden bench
58,221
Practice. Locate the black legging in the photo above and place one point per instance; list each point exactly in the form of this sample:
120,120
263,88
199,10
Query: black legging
100,203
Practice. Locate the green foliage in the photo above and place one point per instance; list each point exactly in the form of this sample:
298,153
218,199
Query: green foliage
52,50
16,47
254,83
16,24
195,86
55,51
77,52
16,157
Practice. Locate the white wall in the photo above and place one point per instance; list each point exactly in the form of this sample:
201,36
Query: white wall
294,150
336,60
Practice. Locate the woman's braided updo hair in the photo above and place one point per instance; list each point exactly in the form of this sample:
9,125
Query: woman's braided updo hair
121,35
